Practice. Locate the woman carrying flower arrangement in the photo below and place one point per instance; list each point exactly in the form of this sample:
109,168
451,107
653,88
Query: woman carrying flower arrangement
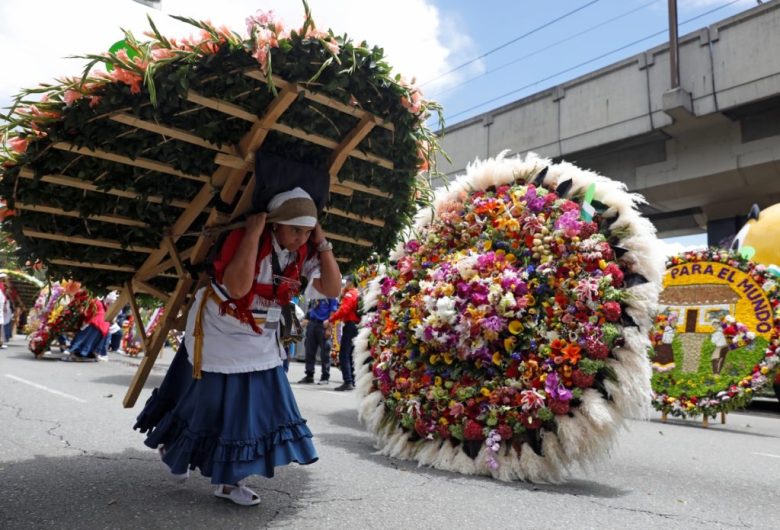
226,406
90,343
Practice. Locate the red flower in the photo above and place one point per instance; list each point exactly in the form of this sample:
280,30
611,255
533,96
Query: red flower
598,351
582,380
612,311
473,431
529,422
505,431
617,275
559,407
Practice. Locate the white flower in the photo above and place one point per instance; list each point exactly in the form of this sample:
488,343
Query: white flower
466,266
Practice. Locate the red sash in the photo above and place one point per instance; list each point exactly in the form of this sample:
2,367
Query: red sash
282,293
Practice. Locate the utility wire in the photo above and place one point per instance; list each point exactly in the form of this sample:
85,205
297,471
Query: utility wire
665,30
437,95
502,46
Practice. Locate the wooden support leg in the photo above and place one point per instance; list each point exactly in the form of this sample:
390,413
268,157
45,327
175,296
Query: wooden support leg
705,422
664,415
723,417
157,341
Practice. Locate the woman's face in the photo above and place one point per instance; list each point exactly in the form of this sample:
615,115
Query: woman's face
292,237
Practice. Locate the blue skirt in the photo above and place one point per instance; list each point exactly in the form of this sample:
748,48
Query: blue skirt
89,341
229,426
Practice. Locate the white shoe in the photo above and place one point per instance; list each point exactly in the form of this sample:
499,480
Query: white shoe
4,346
102,358
238,494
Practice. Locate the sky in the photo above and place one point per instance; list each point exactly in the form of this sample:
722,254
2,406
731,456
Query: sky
470,56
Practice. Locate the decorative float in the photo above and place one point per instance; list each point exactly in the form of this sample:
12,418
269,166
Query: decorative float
124,177
509,335
719,322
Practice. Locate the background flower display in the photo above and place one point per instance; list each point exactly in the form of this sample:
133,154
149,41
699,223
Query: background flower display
57,311
155,121
509,335
732,359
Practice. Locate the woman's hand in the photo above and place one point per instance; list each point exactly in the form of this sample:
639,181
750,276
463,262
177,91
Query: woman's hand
255,223
317,235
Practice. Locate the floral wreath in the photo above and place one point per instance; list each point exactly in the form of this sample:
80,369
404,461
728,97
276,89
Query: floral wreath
706,394
509,336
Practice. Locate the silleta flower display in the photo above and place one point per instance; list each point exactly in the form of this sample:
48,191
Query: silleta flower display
716,339
509,336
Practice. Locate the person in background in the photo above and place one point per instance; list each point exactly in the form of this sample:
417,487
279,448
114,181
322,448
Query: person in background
116,330
9,308
319,312
5,309
91,342
290,346
348,314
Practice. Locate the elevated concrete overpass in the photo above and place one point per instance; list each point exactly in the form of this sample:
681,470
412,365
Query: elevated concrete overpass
701,154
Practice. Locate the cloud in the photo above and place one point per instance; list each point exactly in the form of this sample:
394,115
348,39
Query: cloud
418,39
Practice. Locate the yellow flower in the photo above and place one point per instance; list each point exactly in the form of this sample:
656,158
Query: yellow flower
433,359
509,344
500,252
448,358
488,245
397,394
511,258
764,370
497,359
437,381
515,327
484,391
443,421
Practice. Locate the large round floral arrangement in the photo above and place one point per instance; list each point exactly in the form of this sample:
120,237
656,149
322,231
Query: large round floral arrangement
509,336
738,354
155,121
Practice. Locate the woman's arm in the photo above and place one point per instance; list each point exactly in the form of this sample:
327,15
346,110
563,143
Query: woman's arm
240,272
329,282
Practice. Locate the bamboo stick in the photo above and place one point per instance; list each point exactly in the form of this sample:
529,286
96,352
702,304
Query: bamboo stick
115,219
349,215
143,163
254,73
219,105
92,265
150,356
260,129
348,239
137,314
64,180
172,132
103,243
348,144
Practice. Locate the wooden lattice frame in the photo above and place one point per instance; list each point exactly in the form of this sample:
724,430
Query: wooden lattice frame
234,172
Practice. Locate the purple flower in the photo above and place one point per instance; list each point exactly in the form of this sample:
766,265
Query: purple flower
494,323
555,389
569,223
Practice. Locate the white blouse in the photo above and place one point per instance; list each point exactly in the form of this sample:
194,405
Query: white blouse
229,345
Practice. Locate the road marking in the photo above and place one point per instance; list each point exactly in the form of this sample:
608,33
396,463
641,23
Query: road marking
767,454
47,389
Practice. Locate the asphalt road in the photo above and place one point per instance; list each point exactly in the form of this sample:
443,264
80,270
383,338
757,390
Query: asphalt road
69,459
